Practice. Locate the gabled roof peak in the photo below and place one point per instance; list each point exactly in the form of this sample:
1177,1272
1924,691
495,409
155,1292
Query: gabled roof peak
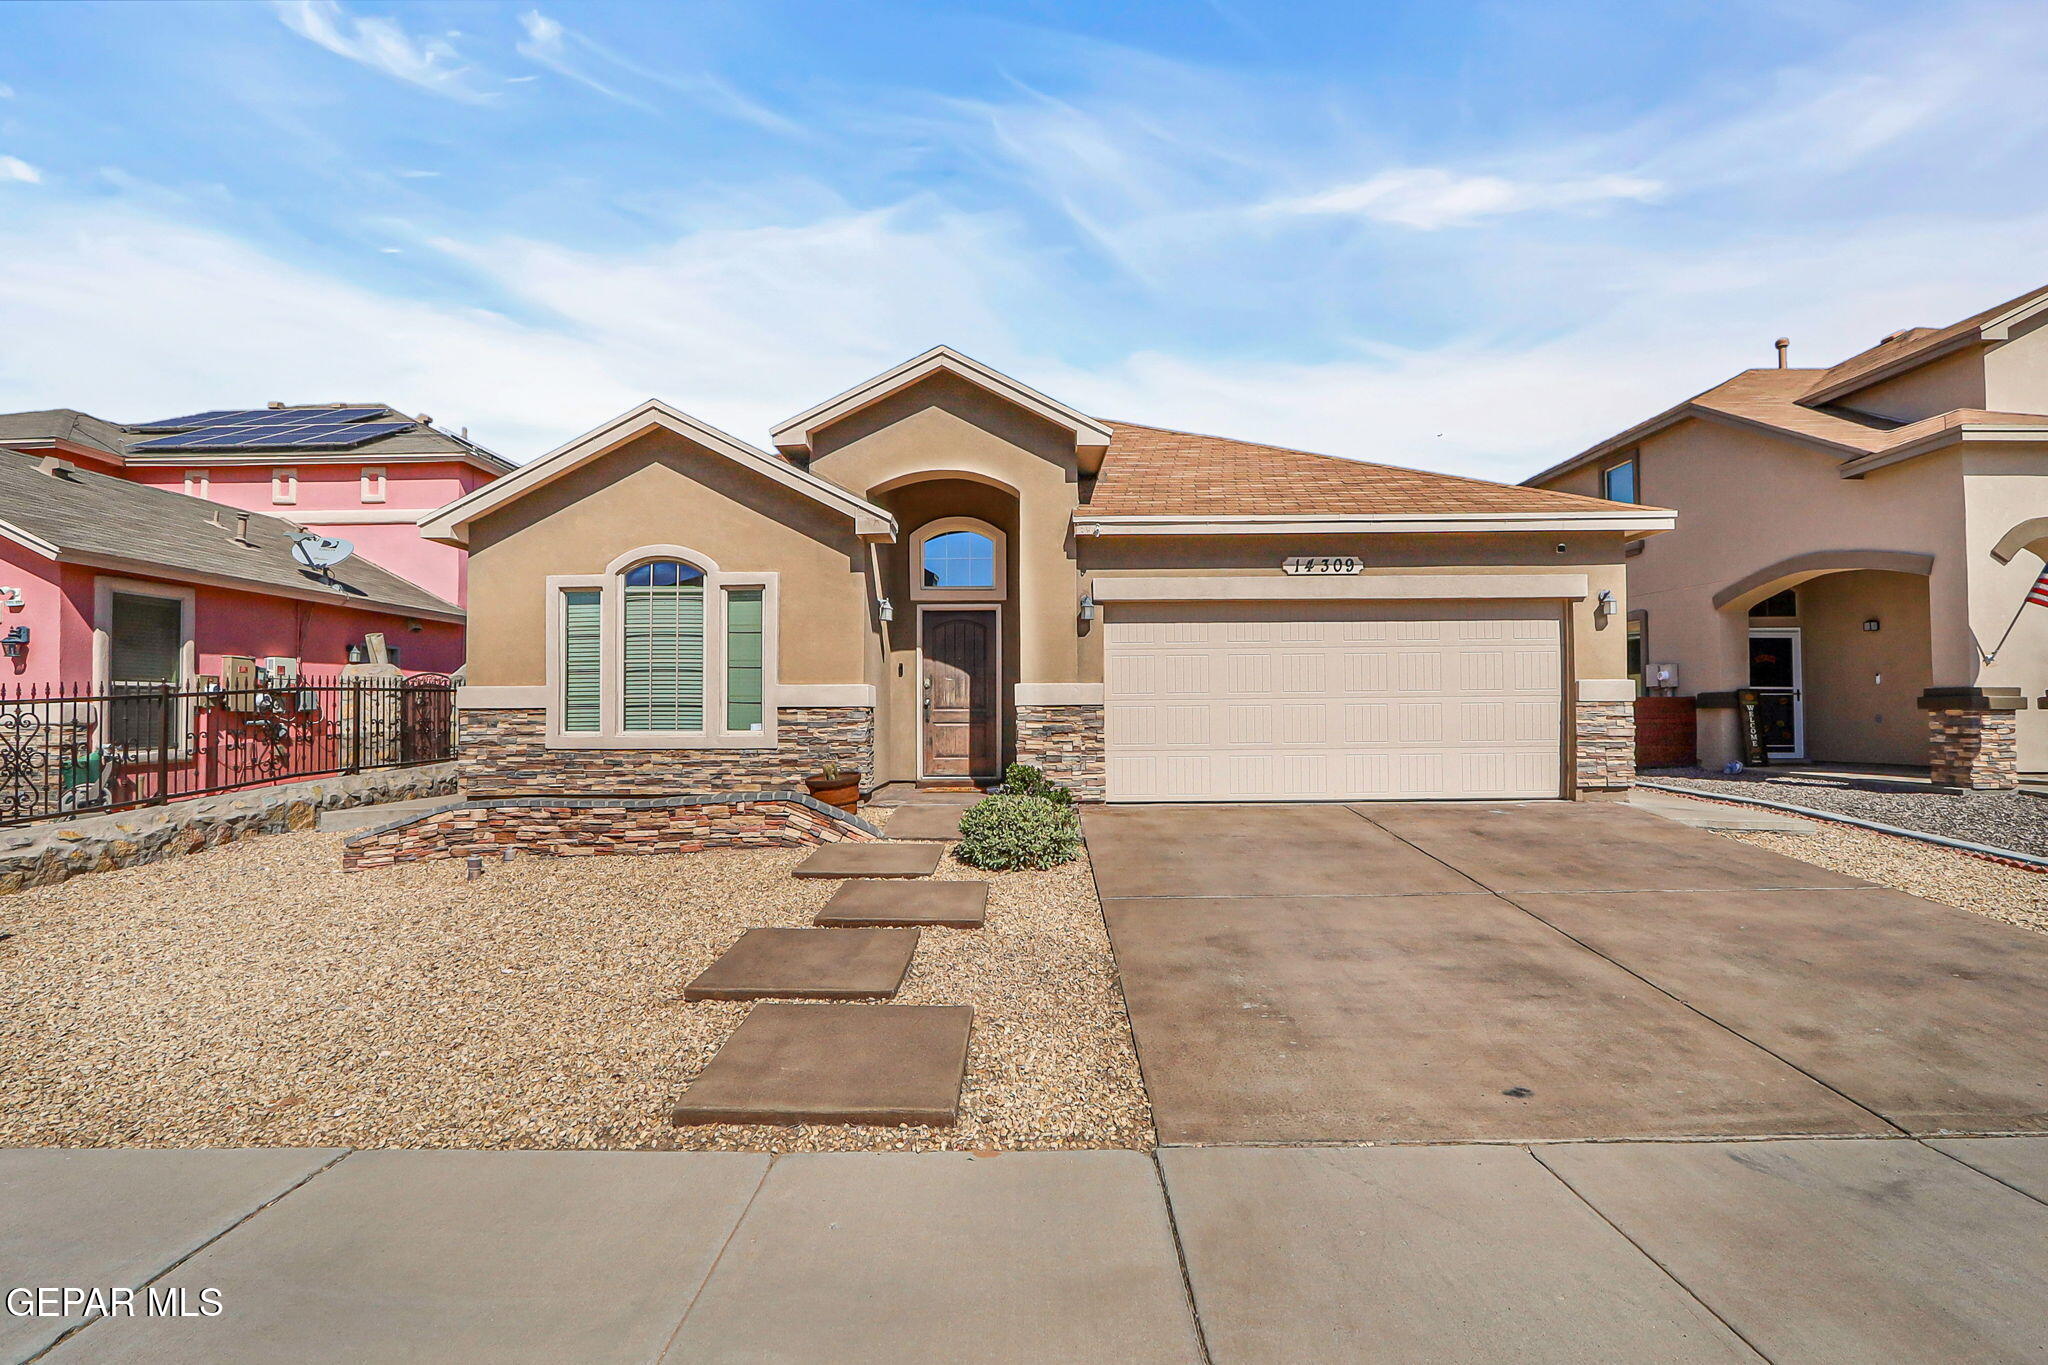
794,436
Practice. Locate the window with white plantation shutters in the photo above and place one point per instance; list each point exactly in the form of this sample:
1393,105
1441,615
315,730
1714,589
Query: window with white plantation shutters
582,654
663,668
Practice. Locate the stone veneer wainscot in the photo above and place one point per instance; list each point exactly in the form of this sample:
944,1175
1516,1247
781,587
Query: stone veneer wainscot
1973,736
505,753
1065,741
1605,754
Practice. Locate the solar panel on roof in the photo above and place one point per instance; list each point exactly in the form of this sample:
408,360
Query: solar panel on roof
185,440
197,419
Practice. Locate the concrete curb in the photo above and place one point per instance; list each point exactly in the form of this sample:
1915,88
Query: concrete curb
2009,857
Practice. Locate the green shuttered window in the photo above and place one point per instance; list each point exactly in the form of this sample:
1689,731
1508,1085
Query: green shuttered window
663,674
582,643
743,659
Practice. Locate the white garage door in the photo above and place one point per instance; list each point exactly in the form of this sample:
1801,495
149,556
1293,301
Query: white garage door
1247,701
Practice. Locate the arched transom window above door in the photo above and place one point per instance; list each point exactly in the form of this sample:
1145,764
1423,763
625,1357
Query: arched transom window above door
957,559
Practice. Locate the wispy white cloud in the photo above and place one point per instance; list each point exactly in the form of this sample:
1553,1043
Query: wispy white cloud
383,45
573,54
1429,198
15,169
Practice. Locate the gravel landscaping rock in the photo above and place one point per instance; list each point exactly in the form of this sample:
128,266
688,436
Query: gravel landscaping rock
256,995
2003,892
2000,819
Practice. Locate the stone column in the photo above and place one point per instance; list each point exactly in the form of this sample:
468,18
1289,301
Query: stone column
1065,741
1973,737
1604,765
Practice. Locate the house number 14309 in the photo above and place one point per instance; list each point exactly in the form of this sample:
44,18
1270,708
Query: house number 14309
1314,564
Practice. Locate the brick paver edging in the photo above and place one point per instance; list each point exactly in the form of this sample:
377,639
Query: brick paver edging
597,826
2005,856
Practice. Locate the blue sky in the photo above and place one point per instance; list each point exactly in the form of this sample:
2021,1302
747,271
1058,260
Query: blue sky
1466,237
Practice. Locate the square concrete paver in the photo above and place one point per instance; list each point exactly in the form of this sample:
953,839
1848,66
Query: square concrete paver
1254,851
1440,1254
1019,1257
889,1064
1933,1017
456,1257
818,964
2021,1162
1590,846
1833,1251
872,860
956,905
1426,1018
941,823
116,1218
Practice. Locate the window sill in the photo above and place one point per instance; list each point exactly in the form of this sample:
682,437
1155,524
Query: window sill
654,739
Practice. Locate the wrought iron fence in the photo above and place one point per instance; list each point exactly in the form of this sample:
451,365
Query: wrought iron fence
67,749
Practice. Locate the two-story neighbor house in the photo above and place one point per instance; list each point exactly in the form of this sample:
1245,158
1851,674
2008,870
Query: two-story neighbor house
941,570
361,472
1854,543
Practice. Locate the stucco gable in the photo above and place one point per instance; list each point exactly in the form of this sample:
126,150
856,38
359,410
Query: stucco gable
450,524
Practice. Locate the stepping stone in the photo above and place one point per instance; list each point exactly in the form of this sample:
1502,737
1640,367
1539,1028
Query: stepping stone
955,905
881,1064
926,822
818,964
871,860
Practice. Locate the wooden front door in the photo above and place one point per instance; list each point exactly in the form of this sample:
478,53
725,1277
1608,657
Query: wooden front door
961,725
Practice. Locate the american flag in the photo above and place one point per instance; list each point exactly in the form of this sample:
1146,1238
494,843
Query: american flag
2039,596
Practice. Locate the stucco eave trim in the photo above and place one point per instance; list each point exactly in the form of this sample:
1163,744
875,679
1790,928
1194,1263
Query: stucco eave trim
1643,521
1911,360
22,538
1363,587
795,434
450,524
1938,440
1607,689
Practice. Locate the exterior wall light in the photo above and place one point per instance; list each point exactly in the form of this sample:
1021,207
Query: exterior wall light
1872,624
1087,606
1605,605
14,644
885,610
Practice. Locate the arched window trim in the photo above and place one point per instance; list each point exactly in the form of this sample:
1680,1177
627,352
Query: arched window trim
943,525
611,588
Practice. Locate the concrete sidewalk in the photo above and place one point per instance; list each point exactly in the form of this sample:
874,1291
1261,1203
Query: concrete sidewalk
1812,1250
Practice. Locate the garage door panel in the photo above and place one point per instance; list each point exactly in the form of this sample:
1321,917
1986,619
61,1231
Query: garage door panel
1337,702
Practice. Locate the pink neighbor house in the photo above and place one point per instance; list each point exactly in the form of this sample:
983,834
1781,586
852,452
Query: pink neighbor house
107,578
361,472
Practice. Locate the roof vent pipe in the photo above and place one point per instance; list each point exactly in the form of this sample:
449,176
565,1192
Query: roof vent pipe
1784,344
56,467
273,403
242,529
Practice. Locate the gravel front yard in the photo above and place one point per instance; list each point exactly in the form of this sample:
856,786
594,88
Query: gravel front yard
256,995
2000,819
2011,894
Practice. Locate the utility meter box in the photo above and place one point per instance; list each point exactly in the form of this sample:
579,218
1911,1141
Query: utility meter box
238,682
279,667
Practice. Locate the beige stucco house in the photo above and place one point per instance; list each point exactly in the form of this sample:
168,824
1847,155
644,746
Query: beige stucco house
1854,542
942,570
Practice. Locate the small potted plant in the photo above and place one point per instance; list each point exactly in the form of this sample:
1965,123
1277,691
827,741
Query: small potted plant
835,786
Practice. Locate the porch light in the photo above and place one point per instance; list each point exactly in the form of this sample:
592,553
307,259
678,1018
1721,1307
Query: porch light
14,644
357,654
1606,605
1087,606
1871,625
885,610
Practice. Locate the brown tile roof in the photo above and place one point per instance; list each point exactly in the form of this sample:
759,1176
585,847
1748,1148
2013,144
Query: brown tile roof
1153,471
1911,342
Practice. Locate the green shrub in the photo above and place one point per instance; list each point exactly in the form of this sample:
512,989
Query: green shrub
1012,831
1021,779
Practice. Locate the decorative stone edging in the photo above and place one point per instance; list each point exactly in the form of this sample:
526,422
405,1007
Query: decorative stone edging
599,826
49,852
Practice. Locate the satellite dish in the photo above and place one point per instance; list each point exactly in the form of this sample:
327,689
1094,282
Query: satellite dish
319,552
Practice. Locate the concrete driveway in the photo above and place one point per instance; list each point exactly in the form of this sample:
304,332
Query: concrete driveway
1547,971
